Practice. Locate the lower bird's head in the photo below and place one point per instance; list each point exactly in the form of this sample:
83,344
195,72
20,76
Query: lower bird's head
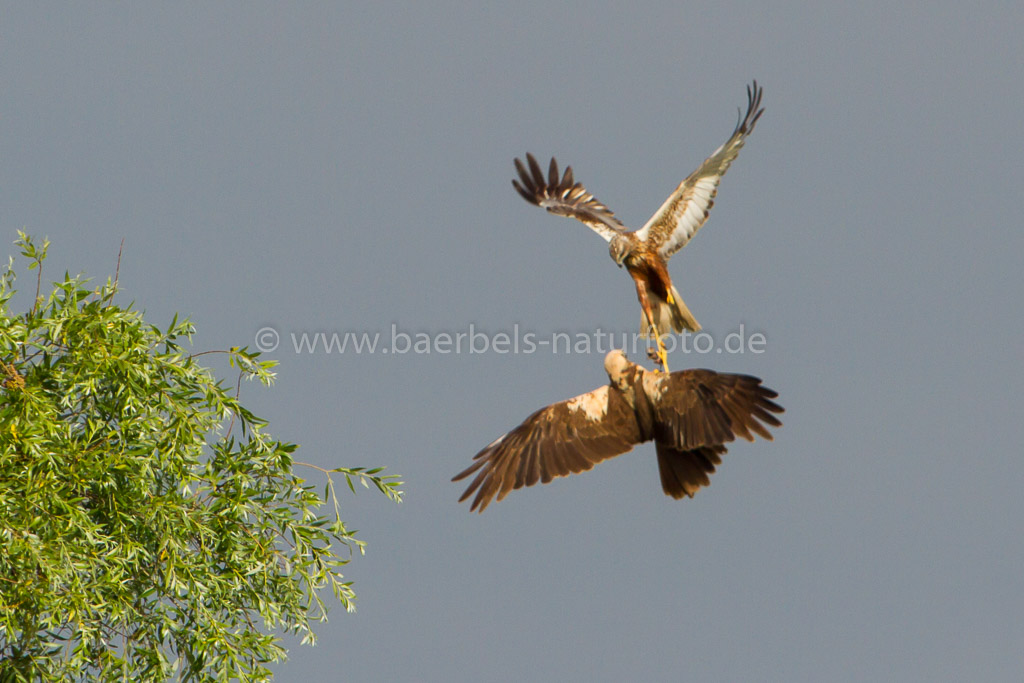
619,249
618,367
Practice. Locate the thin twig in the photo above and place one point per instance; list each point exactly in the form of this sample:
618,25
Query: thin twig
315,467
117,271
238,393
205,353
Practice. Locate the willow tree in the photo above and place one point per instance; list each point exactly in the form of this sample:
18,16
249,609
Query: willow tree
151,527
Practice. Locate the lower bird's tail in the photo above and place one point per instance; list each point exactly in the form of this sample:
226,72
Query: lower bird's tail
683,473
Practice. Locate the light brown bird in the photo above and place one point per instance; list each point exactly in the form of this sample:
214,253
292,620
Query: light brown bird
690,415
645,252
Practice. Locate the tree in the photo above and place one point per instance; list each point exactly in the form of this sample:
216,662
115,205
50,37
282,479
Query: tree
150,526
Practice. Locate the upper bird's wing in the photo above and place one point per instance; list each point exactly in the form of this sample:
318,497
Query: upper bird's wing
558,440
686,209
697,408
565,197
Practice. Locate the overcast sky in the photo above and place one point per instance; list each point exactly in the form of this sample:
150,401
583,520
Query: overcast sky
345,167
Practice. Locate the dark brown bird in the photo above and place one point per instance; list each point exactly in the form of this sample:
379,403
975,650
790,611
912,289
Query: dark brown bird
690,415
645,252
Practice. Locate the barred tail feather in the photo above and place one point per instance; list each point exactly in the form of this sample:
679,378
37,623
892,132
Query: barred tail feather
682,318
668,317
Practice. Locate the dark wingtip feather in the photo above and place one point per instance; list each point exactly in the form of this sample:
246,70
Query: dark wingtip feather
526,186
538,175
754,109
567,179
553,173
524,193
524,175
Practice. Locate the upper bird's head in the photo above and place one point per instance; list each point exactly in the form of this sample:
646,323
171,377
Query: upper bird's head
618,367
620,248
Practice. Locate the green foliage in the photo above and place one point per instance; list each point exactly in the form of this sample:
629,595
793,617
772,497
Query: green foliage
150,527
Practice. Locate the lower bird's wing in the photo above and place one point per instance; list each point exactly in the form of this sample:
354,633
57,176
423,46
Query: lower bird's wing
697,408
696,412
558,440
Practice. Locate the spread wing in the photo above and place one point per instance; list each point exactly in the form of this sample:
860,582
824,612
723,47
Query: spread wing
561,439
697,408
564,197
685,211
696,412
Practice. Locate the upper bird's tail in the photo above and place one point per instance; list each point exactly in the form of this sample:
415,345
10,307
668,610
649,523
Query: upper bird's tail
669,317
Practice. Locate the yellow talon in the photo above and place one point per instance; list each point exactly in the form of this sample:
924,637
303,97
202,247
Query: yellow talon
662,355
670,299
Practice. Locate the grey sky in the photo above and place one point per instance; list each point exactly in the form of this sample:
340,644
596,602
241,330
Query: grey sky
346,167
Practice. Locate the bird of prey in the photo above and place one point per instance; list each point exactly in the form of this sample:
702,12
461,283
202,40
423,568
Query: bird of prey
645,252
690,415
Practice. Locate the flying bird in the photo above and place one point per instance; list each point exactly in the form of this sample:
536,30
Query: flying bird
645,252
690,415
